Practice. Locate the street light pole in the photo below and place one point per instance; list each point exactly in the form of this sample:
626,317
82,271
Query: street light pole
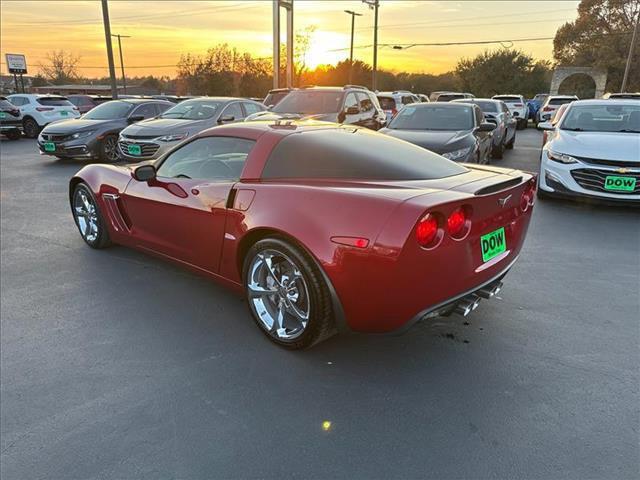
107,34
374,4
124,80
353,23
628,65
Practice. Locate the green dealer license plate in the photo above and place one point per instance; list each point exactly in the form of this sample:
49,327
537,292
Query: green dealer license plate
3,115
493,244
49,147
134,150
622,184
64,113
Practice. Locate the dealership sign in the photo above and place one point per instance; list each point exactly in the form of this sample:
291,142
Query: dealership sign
16,63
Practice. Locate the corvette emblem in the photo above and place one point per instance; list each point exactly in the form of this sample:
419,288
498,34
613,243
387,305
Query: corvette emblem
622,170
503,201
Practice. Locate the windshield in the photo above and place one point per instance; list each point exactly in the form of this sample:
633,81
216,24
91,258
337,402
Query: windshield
193,110
273,98
428,117
447,97
485,105
602,118
109,111
308,102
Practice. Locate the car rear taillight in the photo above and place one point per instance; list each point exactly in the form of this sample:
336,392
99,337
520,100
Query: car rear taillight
547,109
528,197
517,104
532,192
44,109
427,231
456,222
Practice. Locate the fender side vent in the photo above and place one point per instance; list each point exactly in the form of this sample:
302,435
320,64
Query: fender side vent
498,187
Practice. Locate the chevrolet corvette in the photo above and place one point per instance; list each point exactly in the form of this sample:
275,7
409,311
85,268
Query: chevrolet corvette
322,227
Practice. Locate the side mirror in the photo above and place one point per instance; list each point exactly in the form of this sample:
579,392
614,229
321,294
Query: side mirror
486,127
351,110
516,114
492,120
144,173
545,126
135,118
226,119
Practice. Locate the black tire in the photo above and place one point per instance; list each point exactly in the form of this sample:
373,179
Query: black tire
509,145
498,153
320,324
30,127
102,239
109,149
14,135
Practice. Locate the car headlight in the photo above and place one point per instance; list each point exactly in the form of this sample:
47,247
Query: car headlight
560,157
173,138
81,134
457,154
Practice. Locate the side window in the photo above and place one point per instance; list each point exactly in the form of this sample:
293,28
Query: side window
504,108
147,110
350,101
162,107
208,158
18,101
406,100
366,105
233,110
250,108
479,115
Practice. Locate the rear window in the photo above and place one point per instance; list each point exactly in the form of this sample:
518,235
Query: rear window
354,154
447,97
508,99
485,105
387,103
54,101
274,98
560,101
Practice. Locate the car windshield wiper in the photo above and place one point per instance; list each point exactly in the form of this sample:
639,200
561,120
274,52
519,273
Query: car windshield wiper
576,129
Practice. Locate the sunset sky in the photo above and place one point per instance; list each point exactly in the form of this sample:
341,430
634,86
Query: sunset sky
163,30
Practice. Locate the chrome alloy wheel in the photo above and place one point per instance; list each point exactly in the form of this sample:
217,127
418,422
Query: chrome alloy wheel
86,215
278,294
110,149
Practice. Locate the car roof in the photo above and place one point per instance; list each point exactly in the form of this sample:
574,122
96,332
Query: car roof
602,101
142,100
463,100
563,96
507,95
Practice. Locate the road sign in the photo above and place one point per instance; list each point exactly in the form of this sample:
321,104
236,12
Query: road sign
16,63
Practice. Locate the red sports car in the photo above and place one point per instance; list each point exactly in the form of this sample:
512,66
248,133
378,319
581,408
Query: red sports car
323,227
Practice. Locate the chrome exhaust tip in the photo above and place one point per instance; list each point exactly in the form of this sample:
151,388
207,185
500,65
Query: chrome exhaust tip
490,290
467,305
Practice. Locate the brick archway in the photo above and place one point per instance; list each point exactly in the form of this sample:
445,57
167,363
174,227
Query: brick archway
562,73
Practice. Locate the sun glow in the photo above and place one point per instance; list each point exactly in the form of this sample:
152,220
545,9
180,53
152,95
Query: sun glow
321,46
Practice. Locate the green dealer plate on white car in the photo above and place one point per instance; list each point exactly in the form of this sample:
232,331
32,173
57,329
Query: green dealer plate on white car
3,115
134,150
620,184
493,244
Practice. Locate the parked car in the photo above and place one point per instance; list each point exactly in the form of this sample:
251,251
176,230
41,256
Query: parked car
552,103
95,135
594,152
99,99
423,98
552,123
625,96
10,120
457,131
173,98
534,106
518,108
449,96
39,111
497,112
84,103
150,139
275,95
391,102
308,219
351,104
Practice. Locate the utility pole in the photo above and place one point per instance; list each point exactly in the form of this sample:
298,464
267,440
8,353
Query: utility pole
288,6
374,4
353,24
107,34
628,65
124,80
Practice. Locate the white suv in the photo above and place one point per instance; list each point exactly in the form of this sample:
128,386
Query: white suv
391,102
39,111
551,104
517,106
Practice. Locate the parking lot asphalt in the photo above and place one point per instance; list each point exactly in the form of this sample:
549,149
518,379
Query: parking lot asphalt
117,365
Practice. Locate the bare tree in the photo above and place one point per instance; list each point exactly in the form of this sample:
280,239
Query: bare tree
61,67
